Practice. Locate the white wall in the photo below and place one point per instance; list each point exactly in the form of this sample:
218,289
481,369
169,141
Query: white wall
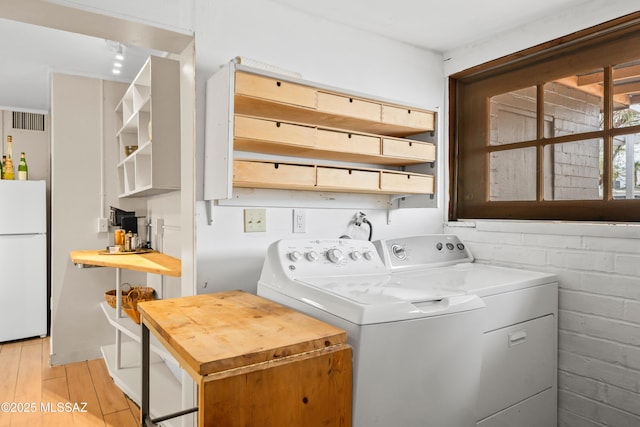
599,319
167,240
82,140
589,14
322,52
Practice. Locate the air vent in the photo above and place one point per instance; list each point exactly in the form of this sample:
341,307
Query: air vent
28,121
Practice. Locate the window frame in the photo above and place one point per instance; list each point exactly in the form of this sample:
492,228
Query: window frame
600,47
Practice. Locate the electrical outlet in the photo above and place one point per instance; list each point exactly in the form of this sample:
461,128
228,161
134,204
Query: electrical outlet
103,225
299,221
255,220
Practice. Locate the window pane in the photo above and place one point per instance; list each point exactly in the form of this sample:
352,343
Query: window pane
573,171
573,104
626,167
626,95
513,117
513,175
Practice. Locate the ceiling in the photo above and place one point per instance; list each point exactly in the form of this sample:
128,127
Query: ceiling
435,25
30,52
430,24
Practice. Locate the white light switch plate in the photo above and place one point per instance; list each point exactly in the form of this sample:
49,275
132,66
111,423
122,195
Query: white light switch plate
103,225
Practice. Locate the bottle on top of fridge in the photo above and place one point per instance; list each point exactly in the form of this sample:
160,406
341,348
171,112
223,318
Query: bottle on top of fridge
23,170
9,173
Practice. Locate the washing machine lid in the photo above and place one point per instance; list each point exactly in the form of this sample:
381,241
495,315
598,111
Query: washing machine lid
376,290
473,278
379,299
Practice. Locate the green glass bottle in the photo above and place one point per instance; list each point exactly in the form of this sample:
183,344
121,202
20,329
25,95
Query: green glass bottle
23,170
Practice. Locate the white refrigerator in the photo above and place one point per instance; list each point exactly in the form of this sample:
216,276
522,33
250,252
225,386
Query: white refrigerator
23,259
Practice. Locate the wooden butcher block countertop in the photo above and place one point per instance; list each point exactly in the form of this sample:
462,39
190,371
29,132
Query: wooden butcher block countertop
149,262
216,332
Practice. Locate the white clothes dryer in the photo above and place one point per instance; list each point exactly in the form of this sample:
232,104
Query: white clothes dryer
416,350
518,386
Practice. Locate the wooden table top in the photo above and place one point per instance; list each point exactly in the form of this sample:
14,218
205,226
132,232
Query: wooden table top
150,262
216,332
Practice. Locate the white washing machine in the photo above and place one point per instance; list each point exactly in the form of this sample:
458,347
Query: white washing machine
416,349
518,385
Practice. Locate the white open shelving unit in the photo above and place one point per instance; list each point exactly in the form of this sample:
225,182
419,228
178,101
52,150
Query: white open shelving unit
124,363
124,357
148,119
133,331
129,379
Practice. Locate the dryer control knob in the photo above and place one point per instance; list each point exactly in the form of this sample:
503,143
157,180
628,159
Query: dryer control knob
355,255
368,255
335,255
398,251
295,256
312,256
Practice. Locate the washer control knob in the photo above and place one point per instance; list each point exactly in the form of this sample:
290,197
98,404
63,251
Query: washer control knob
368,255
355,255
312,256
450,246
335,255
439,246
460,246
295,256
398,251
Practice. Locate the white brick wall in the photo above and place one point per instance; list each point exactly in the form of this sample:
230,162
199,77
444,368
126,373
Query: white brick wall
599,308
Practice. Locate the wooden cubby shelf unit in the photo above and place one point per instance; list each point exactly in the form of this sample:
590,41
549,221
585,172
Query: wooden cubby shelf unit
281,99
303,140
292,127
270,174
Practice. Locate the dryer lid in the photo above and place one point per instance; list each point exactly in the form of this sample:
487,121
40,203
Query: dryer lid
474,278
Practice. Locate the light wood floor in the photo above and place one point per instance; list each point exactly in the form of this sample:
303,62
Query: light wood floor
27,378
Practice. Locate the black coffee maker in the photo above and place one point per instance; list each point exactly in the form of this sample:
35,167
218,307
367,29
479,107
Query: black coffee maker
126,220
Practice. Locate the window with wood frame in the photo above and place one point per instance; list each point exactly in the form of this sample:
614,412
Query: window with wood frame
552,132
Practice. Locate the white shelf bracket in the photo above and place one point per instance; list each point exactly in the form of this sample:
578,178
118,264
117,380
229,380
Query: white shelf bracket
209,209
118,357
391,207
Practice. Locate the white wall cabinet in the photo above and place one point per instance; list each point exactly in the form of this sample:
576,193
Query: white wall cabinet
270,131
148,118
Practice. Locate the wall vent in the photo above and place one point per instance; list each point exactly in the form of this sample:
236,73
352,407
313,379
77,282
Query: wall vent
28,121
